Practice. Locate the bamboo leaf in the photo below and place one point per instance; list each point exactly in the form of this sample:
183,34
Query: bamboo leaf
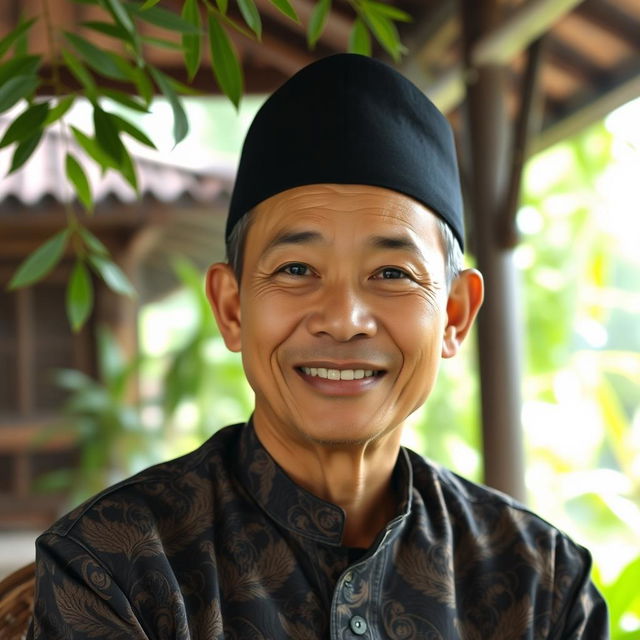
92,149
92,242
384,31
57,112
22,128
317,22
78,178
251,16
125,99
79,296
223,5
127,127
226,66
143,85
285,7
163,19
19,66
41,261
117,10
359,38
15,89
107,135
24,150
383,9
108,29
148,4
10,39
192,42
112,275
162,43
99,60
80,73
180,122
128,170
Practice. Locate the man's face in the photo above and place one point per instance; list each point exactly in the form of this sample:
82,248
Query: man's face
341,311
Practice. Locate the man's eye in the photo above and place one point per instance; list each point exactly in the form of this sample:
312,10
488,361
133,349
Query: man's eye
295,269
391,273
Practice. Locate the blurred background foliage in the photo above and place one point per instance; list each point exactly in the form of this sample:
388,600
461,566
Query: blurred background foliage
579,267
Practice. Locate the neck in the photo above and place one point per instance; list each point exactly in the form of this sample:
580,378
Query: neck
355,476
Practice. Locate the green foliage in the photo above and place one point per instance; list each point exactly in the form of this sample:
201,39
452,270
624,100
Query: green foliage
22,75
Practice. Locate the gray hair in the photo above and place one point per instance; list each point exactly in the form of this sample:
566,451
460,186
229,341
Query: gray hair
237,238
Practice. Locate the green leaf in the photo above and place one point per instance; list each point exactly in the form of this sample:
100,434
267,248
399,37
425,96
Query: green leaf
92,242
148,4
19,66
226,66
41,261
180,122
163,19
143,85
107,135
92,149
15,89
64,104
25,124
117,10
79,296
383,9
24,150
7,42
317,22
128,170
78,178
127,127
223,5
103,62
108,29
124,99
113,276
285,7
384,31
251,16
162,43
80,73
192,42
359,38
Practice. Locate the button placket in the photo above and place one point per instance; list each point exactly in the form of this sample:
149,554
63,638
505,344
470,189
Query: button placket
358,625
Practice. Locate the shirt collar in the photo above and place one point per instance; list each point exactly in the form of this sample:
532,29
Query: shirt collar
295,508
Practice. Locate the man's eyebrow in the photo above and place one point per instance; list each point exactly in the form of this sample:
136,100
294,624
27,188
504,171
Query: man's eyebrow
293,237
401,242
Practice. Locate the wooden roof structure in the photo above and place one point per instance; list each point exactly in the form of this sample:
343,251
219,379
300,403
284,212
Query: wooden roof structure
514,76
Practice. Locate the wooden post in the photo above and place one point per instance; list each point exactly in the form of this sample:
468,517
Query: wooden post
489,144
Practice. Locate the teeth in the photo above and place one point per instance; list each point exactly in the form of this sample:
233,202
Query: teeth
338,374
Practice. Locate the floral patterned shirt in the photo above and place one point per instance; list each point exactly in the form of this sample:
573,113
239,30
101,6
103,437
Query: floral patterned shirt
222,544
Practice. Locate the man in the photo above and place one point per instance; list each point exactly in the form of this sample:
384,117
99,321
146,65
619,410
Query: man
342,292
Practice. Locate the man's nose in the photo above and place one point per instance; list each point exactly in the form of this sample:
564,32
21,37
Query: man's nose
343,313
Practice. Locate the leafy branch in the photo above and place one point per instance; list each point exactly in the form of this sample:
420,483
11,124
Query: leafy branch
199,24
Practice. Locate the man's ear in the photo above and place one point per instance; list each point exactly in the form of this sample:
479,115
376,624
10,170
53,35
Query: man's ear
465,298
224,297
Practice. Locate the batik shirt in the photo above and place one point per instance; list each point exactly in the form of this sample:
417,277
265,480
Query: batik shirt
222,543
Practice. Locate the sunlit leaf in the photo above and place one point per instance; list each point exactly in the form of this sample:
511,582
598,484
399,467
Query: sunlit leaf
41,261
317,22
92,242
384,31
24,126
24,150
15,89
359,38
129,128
57,112
112,275
223,5
180,122
12,37
77,177
79,301
118,11
251,16
192,42
226,66
148,4
285,7
388,10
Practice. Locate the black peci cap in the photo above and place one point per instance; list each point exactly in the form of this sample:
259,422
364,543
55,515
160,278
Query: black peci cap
350,119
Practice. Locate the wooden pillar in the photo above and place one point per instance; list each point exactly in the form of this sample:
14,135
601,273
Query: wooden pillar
499,326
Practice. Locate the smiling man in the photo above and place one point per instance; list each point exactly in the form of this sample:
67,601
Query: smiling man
343,291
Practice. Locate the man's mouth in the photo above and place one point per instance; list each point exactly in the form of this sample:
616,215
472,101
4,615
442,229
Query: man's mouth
340,374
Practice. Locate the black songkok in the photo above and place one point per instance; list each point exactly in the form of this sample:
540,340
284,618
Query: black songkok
350,119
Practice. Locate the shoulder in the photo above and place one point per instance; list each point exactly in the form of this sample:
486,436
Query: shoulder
162,491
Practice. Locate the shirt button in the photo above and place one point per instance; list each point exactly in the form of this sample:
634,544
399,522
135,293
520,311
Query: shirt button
358,625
